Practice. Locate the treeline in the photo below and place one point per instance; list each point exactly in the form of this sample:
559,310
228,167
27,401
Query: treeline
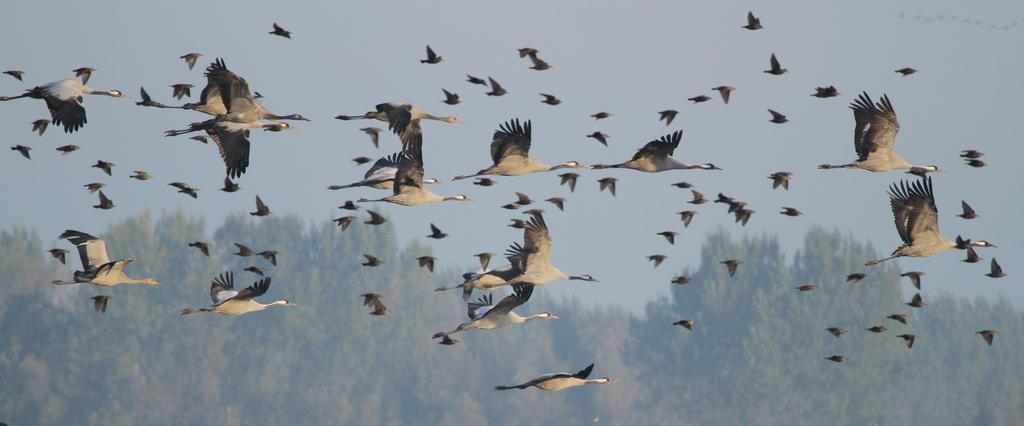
756,354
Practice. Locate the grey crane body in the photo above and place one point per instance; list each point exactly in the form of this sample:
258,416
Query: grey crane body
510,152
485,315
228,301
656,156
560,381
64,100
917,221
97,268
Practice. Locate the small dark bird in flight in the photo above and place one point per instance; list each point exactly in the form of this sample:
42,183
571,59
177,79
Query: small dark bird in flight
777,117
836,331
569,178
59,254
670,236
93,187
185,189
200,138
269,255
780,179
733,204
432,57
373,300
349,205
485,259
974,162
450,98
550,99
996,271
427,262
372,261
906,71
375,218
724,91
915,278
657,259
687,324
436,233
99,303
731,265
374,132
683,185
243,250
105,203
191,58
203,247
105,166
988,335
743,215
67,149
344,222
230,186
261,208
40,125
972,256
699,99
527,51
698,198
908,339
903,318
667,116
753,23
600,137
476,80
681,280
877,329
447,341
601,115
855,277
806,287
181,90
607,183
484,182
836,358
825,92
278,31
510,206
916,302
23,150
789,211
523,199
85,73
496,89
686,217
967,153
140,175
15,73
776,67
968,211
558,202
533,212
517,224
538,63
256,270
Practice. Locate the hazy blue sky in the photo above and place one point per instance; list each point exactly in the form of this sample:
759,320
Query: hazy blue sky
627,58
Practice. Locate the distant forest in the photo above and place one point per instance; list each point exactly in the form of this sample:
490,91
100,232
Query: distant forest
756,354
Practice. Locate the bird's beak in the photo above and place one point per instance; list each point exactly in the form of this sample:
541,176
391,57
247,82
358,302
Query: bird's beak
306,119
554,317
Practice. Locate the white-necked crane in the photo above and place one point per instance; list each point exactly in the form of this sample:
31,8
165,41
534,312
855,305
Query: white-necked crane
400,117
228,301
381,175
97,268
64,100
874,138
407,189
510,151
560,381
656,156
485,315
917,221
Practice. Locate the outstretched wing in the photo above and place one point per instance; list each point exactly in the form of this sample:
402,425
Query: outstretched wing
511,139
222,287
399,116
876,125
913,207
385,162
255,290
480,307
410,165
521,294
234,90
92,250
660,148
232,141
584,373
536,250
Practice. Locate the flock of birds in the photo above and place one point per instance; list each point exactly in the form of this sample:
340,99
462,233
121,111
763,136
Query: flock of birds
235,110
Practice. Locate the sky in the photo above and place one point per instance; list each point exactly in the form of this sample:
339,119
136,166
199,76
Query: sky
631,59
